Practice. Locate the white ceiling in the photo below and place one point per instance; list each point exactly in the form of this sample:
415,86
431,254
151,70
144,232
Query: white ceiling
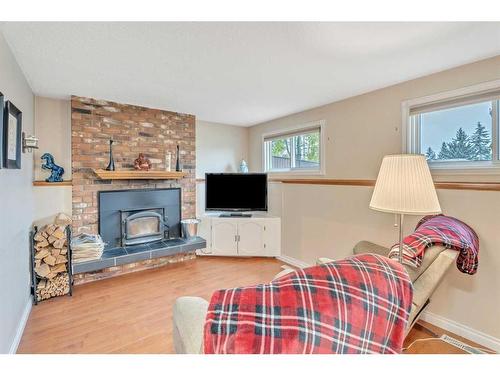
238,73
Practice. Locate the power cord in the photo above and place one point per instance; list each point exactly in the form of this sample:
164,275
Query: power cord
418,340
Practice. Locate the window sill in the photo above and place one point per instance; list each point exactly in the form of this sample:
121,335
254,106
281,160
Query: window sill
485,169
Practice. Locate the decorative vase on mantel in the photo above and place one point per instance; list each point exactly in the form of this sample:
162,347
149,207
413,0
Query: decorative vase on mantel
243,166
111,165
178,161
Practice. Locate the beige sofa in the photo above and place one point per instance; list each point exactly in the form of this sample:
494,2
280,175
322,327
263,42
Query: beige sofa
189,312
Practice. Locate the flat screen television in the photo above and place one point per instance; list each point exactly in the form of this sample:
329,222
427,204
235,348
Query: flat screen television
236,192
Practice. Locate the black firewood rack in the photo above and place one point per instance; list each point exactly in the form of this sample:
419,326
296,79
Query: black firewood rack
35,278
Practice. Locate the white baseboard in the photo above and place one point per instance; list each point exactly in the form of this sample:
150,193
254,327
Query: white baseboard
479,337
20,328
292,261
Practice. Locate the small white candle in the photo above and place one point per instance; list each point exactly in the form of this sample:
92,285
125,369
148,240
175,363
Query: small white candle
168,162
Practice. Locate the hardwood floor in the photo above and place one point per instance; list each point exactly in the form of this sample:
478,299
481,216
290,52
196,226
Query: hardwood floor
133,313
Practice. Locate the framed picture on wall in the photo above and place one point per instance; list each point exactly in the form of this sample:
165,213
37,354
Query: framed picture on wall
1,129
12,128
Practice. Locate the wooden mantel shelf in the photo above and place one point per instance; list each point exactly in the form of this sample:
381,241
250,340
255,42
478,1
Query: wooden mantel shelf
45,183
138,175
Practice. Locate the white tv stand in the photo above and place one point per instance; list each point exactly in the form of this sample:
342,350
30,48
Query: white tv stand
258,235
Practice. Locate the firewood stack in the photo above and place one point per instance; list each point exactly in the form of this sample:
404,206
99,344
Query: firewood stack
51,262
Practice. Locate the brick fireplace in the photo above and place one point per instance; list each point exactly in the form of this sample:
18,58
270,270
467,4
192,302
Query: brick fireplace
134,130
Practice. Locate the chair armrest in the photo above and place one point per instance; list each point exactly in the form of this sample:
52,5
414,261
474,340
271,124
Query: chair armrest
321,261
286,271
426,284
364,247
429,280
189,318
361,247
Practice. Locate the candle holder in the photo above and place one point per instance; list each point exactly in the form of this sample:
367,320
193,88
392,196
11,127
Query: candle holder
111,165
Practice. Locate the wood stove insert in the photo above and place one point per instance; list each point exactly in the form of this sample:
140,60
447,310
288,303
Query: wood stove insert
143,226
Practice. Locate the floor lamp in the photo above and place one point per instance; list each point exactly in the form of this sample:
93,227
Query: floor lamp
404,186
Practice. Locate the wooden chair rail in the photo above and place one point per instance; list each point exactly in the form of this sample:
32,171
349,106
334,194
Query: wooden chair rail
449,185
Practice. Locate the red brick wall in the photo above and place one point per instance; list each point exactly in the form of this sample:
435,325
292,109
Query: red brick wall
134,129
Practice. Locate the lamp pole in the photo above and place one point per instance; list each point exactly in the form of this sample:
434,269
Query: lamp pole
400,238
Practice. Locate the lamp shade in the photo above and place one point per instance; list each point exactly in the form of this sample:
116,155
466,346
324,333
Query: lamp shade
404,185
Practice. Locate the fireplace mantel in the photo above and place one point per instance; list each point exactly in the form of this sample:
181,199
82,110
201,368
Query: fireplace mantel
138,175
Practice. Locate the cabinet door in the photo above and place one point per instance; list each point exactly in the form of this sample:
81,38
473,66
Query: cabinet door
224,234
272,237
205,231
251,238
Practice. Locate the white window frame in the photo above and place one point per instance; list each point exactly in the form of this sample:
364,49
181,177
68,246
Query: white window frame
411,131
321,124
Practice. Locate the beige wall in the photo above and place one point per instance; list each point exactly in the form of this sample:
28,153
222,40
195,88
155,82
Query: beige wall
53,129
16,210
329,220
219,148
49,201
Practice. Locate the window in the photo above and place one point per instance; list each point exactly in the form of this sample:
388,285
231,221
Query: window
456,132
295,150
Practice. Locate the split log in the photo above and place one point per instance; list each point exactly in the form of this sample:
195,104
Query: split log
41,244
49,229
62,219
52,239
61,259
50,260
43,270
41,254
59,244
59,233
58,268
39,236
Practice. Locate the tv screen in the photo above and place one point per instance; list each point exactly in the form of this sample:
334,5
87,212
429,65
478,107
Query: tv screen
236,192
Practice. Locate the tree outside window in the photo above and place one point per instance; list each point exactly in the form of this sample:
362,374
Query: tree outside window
458,134
296,151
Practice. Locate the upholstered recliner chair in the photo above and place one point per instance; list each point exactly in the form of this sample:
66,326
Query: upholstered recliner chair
189,312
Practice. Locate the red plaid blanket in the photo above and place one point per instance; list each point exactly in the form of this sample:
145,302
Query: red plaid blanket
441,230
357,305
